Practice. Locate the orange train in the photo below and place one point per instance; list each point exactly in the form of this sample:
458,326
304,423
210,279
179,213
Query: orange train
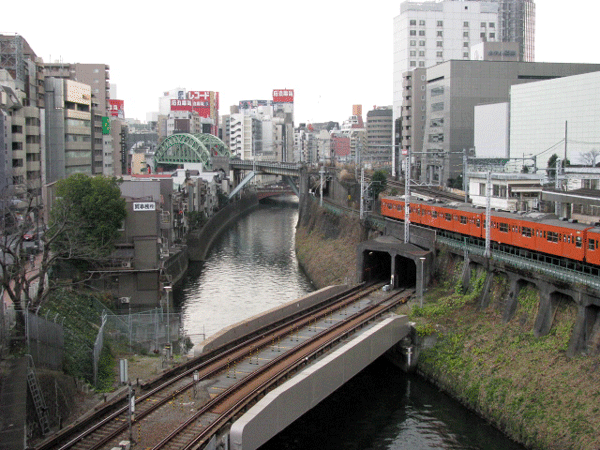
534,231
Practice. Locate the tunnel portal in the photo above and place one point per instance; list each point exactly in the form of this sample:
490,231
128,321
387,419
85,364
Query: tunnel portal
390,260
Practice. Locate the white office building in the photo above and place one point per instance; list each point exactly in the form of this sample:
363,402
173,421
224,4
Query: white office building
428,33
556,116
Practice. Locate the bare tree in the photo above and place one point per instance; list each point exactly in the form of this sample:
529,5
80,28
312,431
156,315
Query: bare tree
589,158
71,237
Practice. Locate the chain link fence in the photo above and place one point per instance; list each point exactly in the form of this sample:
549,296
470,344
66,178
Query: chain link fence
149,331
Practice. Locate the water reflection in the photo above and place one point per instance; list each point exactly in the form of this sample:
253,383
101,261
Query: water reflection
251,268
383,408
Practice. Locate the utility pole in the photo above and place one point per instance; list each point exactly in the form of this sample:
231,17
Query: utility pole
407,198
488,213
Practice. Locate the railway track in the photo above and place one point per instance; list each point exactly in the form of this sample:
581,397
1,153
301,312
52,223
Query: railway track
216,376
427,192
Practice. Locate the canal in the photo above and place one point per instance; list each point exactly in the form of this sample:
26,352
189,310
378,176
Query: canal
251,268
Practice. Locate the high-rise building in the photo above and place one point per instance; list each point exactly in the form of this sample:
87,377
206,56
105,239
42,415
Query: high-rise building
516,19
69,131
379,136
21,118
97,76
431,32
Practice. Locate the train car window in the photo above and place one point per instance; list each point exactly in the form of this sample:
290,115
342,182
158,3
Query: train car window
478,223
434,214
448,217
526,231
592,245
504,227
463,220
399,207
578,242
552,236
389,205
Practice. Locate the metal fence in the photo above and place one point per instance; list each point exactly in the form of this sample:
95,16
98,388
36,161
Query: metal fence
45,340
559,273
7,321
148,331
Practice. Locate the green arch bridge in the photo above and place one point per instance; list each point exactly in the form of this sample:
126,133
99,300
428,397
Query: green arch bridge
190,148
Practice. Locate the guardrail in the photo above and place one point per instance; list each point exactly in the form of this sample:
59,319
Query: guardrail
559,273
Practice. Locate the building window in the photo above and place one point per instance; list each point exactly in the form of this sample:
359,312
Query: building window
436,122
421,63
466,24
413,32
492,35
413,64
439,43
413,43
466,44
492,25
437,106
440,54
413,53
421,52
440,34
465,34
482,35
422,43
421,32
440,23
466,55
482,24
422,23
436,138
437,91
413,23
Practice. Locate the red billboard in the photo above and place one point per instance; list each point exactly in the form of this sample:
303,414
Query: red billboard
203,102
116,108
181,104
283,96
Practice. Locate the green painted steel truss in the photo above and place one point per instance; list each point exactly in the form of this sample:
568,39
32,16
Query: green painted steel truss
190,148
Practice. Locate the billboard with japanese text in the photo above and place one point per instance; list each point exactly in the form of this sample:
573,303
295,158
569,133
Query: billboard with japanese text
116,108
283,95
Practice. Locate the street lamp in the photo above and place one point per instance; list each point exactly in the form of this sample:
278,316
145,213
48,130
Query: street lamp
168,289
422,259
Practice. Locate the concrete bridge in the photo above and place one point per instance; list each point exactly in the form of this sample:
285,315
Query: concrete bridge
319,378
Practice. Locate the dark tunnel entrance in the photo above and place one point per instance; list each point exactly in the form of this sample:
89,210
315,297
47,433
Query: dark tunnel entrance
406,272
377,266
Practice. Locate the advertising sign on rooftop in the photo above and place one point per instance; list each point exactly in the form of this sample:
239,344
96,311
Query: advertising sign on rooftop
116,108
181,104
283,95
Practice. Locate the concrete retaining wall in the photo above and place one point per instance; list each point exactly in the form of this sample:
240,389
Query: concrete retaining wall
199,243
285,404
269,317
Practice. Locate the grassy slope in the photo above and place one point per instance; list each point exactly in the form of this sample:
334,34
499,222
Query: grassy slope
524,385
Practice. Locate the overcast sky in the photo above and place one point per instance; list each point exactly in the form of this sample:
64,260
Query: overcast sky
333,53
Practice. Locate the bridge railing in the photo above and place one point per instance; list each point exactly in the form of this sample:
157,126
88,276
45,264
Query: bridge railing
273,165
560,273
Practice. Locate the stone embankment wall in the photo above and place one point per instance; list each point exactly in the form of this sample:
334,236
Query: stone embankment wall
199,242
326,244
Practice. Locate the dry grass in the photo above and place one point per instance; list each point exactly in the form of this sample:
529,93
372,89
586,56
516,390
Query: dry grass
525,385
